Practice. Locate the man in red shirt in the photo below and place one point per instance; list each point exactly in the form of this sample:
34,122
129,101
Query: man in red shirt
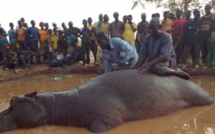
178,31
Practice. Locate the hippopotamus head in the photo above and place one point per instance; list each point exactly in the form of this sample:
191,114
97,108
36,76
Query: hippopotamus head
24,111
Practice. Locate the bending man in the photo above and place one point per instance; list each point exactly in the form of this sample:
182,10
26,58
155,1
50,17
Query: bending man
116,50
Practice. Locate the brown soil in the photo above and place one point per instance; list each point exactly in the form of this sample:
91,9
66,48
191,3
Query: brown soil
44,69
80,69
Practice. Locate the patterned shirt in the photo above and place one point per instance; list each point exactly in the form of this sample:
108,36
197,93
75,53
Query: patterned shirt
3,40
167,25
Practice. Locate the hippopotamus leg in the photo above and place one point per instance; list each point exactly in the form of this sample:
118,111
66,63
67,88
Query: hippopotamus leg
100,125
105,122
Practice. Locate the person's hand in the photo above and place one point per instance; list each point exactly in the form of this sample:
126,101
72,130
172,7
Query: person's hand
169,31
130,22
132,67
93,29
143,69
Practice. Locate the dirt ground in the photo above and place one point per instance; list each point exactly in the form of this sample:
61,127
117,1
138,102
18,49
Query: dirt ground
44,69
80,69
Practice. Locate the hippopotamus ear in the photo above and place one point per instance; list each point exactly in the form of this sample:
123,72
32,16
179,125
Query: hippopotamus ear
31,95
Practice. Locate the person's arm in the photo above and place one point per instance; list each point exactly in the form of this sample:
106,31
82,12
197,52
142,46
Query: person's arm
213,16
140,62
26,33
87,30
107,65
133,26
146,29
92,30
9,36
29,33
99,27
143,53
124,26
79,33
17,34
173,26
38,34
110,27
146,67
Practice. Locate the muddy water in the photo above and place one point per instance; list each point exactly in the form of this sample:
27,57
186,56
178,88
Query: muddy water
197,120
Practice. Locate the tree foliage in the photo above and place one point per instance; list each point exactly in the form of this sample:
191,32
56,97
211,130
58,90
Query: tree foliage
172,5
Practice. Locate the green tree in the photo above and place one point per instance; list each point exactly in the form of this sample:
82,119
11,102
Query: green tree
172,5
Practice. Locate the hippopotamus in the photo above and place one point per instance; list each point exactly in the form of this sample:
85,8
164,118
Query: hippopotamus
105,102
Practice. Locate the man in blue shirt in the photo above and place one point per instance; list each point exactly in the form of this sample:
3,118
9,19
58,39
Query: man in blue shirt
34,36
158,49
116,50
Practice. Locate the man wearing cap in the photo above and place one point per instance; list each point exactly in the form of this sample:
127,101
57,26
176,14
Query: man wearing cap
157,48
116,50
207,27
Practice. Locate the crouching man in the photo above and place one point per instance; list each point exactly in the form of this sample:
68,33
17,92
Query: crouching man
116,50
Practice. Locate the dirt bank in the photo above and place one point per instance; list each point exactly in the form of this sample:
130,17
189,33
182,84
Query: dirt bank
78,69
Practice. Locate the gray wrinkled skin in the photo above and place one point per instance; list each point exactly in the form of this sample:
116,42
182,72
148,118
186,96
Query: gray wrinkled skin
105,102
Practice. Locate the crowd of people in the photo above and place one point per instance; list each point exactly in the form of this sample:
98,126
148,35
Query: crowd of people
127,41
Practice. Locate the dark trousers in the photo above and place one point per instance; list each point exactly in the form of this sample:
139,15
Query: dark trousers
8,63
204,50
22,60
194,50
179,46
28,60
85,52
34,45
22,45
93,48
160,68
210,59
